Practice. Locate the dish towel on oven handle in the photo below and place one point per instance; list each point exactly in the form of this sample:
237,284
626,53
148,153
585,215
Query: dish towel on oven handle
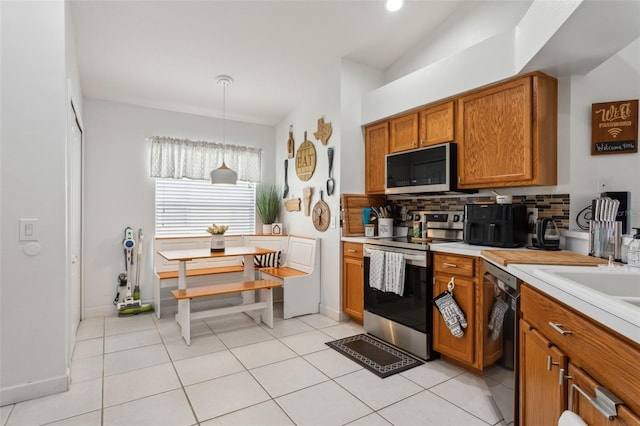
394,272
376,269
451,313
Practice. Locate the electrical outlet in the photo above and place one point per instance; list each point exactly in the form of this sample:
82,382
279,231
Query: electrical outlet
333,222
603,184
532,215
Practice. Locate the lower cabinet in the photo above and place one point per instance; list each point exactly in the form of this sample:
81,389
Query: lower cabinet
473,350
562,351
543,394
353,280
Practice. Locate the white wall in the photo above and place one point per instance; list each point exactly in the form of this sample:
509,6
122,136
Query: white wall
322,101
33,303
616,80
119,191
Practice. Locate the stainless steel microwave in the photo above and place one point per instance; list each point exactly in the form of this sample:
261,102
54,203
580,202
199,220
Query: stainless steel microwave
433,169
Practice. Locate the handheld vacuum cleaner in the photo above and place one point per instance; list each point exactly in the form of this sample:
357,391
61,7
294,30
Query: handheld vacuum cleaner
131,305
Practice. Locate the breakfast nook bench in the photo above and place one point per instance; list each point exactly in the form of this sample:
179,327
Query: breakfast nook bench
299,276
259,310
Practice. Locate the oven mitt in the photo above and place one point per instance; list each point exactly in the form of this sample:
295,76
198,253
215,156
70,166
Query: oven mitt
498,310
451,313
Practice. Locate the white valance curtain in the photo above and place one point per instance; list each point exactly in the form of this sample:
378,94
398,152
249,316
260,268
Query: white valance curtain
184,158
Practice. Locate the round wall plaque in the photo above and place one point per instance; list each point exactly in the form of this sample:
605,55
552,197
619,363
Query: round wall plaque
305,159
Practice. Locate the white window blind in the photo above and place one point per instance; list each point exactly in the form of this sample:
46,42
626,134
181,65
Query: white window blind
189,207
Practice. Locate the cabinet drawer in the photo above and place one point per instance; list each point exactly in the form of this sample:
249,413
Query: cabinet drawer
456,265
609,359
352,250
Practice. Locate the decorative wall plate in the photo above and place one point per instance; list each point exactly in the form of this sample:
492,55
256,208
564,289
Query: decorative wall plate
321,215
324,131
305,159
290,143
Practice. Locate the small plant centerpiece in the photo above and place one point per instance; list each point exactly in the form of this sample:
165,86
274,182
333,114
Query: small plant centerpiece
217,236
268,205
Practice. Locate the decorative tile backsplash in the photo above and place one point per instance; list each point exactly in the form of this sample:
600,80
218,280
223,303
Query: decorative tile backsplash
554,206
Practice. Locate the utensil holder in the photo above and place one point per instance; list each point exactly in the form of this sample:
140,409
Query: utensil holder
385,227
605,239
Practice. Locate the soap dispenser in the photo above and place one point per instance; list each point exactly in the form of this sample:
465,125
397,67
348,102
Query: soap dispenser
633,254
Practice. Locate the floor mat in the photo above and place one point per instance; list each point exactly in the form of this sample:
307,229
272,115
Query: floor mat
375,355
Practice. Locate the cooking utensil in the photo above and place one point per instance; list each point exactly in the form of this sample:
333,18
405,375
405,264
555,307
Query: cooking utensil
330,182
285,192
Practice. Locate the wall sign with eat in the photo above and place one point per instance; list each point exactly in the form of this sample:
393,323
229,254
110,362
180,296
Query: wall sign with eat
614,127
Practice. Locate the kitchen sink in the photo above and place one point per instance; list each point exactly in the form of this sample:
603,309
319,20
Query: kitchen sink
621,284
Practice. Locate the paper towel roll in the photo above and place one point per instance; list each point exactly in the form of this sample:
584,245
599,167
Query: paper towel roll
569,418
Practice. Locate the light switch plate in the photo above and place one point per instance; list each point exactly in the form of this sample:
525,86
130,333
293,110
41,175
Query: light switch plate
29,229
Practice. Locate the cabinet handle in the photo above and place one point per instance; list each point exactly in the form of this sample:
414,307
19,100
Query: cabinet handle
550,362
562,377
450,265
557,328
351,250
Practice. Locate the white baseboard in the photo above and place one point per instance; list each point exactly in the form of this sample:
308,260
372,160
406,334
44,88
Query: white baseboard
31,390
333,313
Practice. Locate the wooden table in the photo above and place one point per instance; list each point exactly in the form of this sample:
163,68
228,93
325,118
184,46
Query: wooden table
183,256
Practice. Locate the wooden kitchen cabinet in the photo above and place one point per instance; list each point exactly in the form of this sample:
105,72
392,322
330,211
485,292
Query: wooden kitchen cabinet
353,280
376,147
542,398
507,134
475,295
602,355
581,406
460,269
437,124
403,133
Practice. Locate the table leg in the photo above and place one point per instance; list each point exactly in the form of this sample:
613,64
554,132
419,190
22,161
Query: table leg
184,306
249,275
266,295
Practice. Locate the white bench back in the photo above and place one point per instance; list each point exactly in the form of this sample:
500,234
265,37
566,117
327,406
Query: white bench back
301,253
160,264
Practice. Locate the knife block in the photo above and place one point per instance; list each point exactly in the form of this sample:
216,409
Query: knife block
605,239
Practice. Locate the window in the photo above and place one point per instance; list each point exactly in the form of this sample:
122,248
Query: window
189,207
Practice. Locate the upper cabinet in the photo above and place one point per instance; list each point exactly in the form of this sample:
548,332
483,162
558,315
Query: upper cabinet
376,148
437,124
429,126
507,134
403,133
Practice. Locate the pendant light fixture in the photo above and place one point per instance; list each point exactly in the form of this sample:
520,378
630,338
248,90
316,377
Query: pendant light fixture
223,175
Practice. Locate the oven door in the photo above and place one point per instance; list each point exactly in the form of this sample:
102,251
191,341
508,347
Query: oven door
412,309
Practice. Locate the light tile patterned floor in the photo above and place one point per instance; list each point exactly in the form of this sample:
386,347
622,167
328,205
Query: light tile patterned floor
138,371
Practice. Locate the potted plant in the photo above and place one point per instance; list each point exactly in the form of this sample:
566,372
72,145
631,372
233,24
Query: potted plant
217,236
268,205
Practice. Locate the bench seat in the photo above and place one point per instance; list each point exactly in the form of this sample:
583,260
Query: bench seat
202,271
219,289
260,310
282,272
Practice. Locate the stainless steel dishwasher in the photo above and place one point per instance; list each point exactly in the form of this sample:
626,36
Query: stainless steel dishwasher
502,377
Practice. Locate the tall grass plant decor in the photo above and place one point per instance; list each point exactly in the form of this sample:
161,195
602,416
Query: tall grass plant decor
268,203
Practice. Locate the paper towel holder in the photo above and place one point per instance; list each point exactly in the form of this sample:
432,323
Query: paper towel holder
604,401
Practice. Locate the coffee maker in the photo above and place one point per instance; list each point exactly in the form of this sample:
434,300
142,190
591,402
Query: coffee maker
547,236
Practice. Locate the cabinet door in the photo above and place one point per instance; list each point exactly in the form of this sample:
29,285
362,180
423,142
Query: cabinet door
459,348
543,393
587,411
352,287
495,136
437,124
376,148
403,133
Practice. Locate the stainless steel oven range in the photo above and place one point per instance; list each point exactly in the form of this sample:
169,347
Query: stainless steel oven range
401,313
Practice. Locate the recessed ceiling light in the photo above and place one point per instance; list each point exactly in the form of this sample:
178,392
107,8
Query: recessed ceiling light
394,5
